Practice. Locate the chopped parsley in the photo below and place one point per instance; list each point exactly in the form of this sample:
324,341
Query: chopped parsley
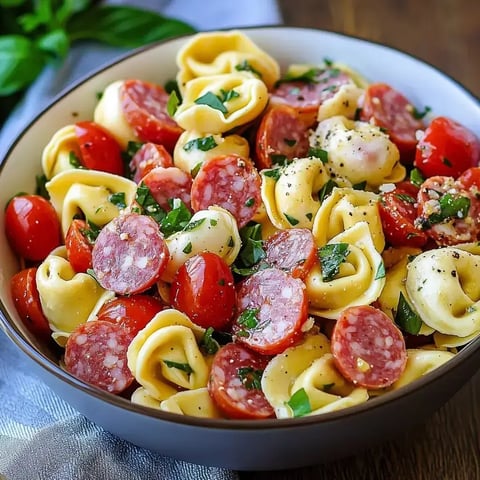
278,159
274,173
212,101
227,95
184,367
74,160
331,256
148,204
172,103
318,153
291,220
416,177
90,233
417,114
246,66
40,188
195,169
188,248
248,320
406,318
203,143
118,199
360,185
326,190
300,403
451,206
250,202
208,344
250,377
309,76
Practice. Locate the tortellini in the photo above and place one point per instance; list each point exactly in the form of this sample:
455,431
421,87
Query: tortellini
89,192
308,366
213,230
344,103
343,208
196,403
67,297
219,103
57,155
292,199
214,53
166,353
360,279
359,151
109,114
444,289
194,148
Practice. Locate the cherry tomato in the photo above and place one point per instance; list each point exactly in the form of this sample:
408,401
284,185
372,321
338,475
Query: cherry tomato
99,150
398,211
203,289
23,287
470,179
32,227
133,312
79,246
389,109
447,148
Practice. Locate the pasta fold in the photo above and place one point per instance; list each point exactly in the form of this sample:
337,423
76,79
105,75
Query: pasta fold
196,403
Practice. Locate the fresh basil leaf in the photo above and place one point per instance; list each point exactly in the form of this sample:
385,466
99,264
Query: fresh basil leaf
451,206
309,76
252,246
176,219
185,367
416,177
208,344
419,114
360,185
251,377
11,3
291,220
42,15
188,248
74,161
193,225
278,159
118,199
227,95
55,43
204,144
195,169
124,26
212,101
245,66
172,103
20,63
300,403
380,271
69,7
248,318
318,153
331,256
406,318
274,173
40,188
326,190
148,204
91,233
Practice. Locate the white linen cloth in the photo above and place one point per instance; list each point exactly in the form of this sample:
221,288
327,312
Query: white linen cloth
41,436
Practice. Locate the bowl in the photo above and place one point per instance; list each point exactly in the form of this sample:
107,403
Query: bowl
239,444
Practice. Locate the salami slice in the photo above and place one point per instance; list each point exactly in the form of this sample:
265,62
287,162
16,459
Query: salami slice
306,97
368,348
230,182
144,105
168,183
129,254
293,250
281,136
234,383
271,311
148,157
96,353
389,109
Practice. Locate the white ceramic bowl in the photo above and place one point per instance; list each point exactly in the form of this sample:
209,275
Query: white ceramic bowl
268,444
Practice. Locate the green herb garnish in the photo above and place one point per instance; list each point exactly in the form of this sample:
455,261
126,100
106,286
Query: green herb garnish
300,403
184,367
118,199
204,144
212,101
406,318
331,256
245,66
172,103
318,153
250,377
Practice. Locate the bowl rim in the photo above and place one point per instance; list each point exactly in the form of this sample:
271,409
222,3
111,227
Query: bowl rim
14,334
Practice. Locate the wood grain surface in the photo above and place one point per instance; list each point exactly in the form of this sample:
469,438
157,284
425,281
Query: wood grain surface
445,33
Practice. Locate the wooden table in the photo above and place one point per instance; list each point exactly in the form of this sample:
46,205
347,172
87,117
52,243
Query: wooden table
445,33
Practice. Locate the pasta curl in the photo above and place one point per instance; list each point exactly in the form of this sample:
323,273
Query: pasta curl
196,403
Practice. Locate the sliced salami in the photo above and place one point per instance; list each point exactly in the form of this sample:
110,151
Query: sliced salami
281,136
149,156
168,183
129,254
389,109
144,105
368,348
96,353
271,311
293,250
234,383
307,96
231,182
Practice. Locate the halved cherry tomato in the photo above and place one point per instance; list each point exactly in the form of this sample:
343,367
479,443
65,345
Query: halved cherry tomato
79,245
470,179
398,211
132,312
203,289
99,150
447,148
23,287
391,110
32,227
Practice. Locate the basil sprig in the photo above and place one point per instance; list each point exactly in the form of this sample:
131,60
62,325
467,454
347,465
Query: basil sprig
252,252
451,206
406,318
331,256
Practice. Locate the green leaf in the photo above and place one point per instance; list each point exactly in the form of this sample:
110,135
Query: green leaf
252,246
245,66
227,95
250,377
69,7
406,318
20,63
380,271
331,256
148,204
248,318
41,15
173,102
55,43
185,367
73,160
204,144
176,219
451,206
193,225
310,76
405,198
11,3
196,169
416,177
360,185
300,403
213,101
419,114
318,153
188,248
274,173
40,188
123,26
208,344
118,199
326,190
291,220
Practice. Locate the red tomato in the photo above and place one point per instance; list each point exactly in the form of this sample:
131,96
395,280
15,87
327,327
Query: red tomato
32,227
203,289
133,312
389,109
79,247
99,150
398,211
23,287
447,148
470,179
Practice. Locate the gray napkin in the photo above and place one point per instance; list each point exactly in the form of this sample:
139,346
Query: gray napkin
41,436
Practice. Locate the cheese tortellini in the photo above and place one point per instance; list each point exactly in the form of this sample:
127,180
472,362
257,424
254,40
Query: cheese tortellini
359,151
213,230
219,103
89,192
196,403
344,103
165,353
215,53
360,278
